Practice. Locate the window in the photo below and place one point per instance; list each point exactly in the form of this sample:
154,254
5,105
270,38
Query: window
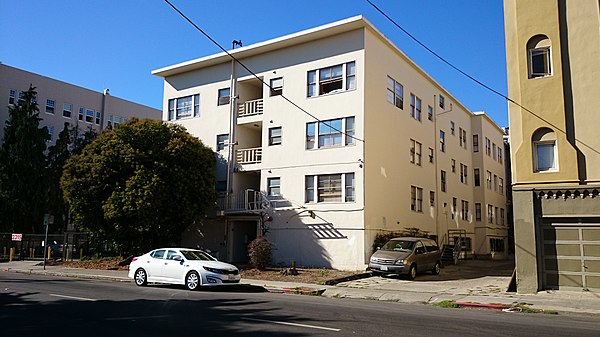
50,132
276,86
442,141
544,150
274,186
50,103
350,131
224,96
109,122
475,143
331,79
464,210
416,199
495,183
431,155
415,152
539,56
222,141
477,181
496,245
443,180
89,115
502,216
429,112
182,107
415,107
462,135
329,188
395,93
67,109
501,186
275,136
477,211
22,96
454,207
98,117
488,179
117,121
330,133
463,174
494,151
442,102
452,126
488,146
432,198
499,155
11,96
453,165
490,211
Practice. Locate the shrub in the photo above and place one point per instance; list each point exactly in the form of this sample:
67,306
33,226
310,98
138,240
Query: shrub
259,251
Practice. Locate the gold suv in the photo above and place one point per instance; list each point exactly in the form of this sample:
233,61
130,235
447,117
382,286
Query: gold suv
407,256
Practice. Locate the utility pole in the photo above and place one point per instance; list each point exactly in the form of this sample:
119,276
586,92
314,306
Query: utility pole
232,124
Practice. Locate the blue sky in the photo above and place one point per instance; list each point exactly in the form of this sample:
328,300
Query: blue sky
115,44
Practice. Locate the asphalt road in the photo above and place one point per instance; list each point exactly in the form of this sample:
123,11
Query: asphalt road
34,305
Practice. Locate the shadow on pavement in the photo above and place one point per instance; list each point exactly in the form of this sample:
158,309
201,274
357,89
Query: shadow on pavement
467,269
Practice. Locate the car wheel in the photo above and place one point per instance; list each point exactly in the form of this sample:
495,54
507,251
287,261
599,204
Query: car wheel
436,269
140,277
412,272
192,280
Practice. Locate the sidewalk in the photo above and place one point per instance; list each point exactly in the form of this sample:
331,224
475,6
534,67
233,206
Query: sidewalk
463,283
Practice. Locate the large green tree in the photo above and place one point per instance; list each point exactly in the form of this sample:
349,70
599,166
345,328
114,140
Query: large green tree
22,167
140,185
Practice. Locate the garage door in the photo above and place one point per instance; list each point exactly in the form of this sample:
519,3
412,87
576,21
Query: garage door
571,256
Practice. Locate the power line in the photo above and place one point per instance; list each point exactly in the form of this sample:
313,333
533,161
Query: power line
255,75
474,79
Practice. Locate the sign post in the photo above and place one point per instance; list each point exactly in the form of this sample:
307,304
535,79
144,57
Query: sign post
46,217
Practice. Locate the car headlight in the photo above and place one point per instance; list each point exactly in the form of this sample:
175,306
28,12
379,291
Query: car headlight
399,262
213,270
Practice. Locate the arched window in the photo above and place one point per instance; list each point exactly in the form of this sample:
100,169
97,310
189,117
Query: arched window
539,56
544,150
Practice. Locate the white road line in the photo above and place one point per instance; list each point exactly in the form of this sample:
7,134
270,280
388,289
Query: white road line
135,317
292,324
74,298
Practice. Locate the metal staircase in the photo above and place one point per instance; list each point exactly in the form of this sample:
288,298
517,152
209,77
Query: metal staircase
452,249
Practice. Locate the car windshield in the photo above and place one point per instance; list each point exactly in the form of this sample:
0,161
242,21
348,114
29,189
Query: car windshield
399,246
197,255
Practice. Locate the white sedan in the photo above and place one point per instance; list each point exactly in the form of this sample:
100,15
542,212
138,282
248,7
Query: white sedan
190,267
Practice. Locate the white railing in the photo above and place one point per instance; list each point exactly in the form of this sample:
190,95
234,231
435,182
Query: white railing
250,108
244,201
249,156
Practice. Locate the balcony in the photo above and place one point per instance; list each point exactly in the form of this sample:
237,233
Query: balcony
250,108
248,201
249,156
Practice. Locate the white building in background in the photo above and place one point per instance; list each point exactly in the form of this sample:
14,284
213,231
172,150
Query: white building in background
60,102
352,139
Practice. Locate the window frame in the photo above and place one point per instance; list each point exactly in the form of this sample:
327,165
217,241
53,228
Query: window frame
222,142
396,93
224,96
273,137
67,112
416,199
476,143
442,141
476,177
50,106
274,186
276,89
536,159
347,78
345,190
546,53
314,135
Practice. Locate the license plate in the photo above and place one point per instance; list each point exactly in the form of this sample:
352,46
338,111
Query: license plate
384,268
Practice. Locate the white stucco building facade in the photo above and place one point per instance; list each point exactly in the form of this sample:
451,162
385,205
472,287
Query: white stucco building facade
350,138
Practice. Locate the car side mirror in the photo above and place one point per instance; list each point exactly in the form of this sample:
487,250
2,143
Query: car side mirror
419,250
378,248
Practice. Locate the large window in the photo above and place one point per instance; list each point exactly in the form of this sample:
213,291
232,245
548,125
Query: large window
89,115
330,188
223,96
415,107
184,107
275,136
415,152
50,103
222,141
67,109
274,186
395,93
539,56
331,79
416,199
330,133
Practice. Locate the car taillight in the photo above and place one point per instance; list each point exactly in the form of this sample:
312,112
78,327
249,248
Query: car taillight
134,259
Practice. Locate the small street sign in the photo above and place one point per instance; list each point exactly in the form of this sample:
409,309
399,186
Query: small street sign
17,237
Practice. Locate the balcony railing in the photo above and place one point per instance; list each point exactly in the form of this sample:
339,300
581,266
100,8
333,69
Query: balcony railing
245,201
250,108
249,156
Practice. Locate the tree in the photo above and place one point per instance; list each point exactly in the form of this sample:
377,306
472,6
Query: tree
140,185
22,167
70,141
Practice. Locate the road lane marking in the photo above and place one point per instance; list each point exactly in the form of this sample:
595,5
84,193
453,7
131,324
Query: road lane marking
74,298
135,317
292,324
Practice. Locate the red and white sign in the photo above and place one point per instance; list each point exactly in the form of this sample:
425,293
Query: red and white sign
17,237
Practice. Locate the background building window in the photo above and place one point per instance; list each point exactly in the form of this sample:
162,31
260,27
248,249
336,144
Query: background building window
539,56
349,187
276,86
475,143
275,136
442,102
330,133
329,188
476,176
477,211
416,199
98,117
11,96
544,150
415,152
50,103
443,180
395,93
442,141
222,141
223,96
331,79
89,115
496,245
67,109
274,186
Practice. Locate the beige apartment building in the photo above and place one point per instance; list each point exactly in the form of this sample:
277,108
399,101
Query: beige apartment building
61,103
338,137
553,54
